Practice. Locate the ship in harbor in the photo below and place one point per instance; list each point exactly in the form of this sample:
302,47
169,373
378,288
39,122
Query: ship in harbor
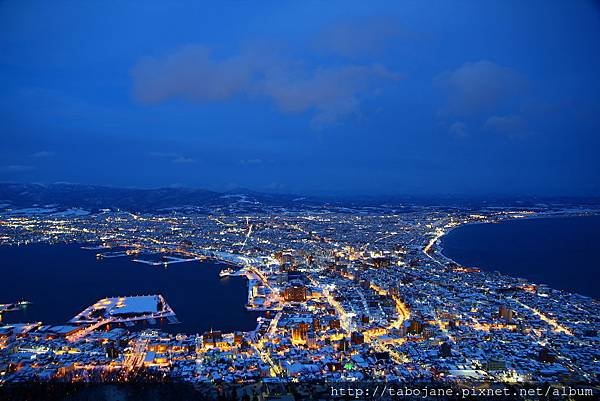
14,306
226,272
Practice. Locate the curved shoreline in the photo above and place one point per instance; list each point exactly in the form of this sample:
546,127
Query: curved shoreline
438,248
438,244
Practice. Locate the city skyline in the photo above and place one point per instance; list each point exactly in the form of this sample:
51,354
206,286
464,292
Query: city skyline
339,296
289,200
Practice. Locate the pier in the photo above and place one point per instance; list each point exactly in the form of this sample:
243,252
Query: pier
125,310
15,306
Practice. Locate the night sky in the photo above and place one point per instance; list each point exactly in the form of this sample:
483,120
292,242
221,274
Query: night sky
315,97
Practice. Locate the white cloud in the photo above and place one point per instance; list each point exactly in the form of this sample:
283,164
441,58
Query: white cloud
511,125
193,74
479,87
459,129
173,157
184,160
251,161
19,168
43,154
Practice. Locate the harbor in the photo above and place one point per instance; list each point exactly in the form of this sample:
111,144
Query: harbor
166,260
13,307
122,310
189,287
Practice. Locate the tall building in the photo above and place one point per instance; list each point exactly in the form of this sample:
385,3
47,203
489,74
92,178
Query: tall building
295,293
299,332
415,327
505,313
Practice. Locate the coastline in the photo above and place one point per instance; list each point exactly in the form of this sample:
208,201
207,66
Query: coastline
204,271
438,243
438,248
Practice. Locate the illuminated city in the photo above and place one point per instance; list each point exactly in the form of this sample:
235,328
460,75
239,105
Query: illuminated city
286,200
346,294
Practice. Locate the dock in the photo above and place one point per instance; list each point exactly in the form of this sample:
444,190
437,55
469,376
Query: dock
122,310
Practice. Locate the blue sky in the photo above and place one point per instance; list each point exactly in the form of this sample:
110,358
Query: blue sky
423,97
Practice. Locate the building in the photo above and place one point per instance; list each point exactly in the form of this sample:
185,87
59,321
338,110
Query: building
547,356
295,293
299,332
335,324
415,327
213,339
493,364
356,338
505,313
445,350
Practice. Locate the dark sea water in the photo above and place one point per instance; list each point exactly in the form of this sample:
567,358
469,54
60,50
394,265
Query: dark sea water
561,252
62,280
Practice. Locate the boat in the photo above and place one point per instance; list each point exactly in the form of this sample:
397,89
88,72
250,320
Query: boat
225,272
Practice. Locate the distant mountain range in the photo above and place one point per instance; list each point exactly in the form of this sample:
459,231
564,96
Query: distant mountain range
93,197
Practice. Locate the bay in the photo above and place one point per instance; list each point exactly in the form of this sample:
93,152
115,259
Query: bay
560,252
61,280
